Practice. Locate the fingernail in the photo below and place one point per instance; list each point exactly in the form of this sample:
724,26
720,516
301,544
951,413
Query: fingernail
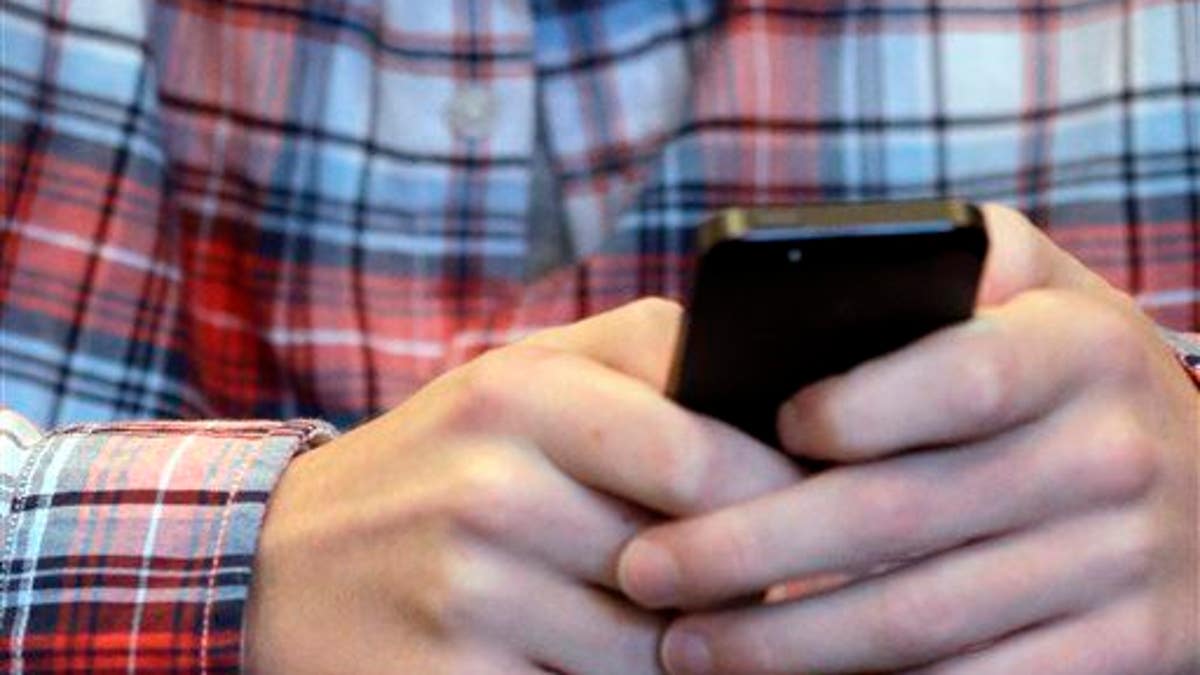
649,574
685,652
796,424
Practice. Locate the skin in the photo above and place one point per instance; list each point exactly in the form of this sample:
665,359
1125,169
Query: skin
1016,494
476,528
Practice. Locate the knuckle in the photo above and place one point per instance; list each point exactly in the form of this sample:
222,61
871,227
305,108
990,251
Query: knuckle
1121,462
486,494
492,387
739,550
482,391
680,455
889,515
457,591
910,621
988,379
1133,558
1114,334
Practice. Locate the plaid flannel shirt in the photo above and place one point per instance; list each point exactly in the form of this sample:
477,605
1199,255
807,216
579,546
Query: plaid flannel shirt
308,208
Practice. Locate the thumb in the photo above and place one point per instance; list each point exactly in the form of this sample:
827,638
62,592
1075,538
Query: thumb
637,339
1021,258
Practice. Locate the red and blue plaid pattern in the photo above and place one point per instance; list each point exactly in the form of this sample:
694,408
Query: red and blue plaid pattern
128,546
267,208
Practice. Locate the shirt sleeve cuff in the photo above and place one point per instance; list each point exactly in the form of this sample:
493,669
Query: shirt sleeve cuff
1187,349
129,546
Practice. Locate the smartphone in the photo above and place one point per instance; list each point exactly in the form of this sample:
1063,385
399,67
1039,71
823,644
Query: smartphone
783,297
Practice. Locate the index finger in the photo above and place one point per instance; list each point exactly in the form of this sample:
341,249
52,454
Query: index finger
1008,364
1003,368
589,397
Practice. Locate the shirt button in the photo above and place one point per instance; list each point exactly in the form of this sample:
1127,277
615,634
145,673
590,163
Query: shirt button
518,7
471,112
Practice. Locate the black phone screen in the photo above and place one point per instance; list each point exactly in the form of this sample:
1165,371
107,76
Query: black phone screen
790,296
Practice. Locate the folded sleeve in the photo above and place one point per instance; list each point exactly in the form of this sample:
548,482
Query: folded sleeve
1187,349
129,546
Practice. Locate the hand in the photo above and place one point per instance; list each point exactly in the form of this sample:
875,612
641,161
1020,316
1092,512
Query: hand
1016,494
475,529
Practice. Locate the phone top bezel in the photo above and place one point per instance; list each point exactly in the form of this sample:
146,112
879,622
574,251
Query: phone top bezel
821,221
